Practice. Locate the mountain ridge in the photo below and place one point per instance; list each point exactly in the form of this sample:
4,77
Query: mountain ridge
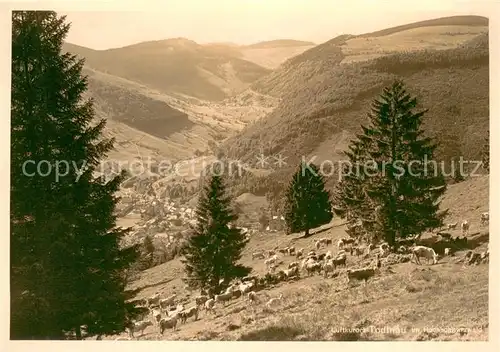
279,43
175,66
325,98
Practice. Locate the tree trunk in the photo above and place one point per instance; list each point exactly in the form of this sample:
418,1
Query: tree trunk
307,234
216,285
78,333
391,238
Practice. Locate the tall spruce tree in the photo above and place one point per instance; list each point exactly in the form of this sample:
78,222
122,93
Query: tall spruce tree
399,182
67,268
307,202
213,250
349,197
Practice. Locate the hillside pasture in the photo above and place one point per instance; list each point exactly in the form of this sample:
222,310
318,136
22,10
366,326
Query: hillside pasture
434,38
405,301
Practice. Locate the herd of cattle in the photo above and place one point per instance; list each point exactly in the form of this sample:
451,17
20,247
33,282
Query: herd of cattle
167,313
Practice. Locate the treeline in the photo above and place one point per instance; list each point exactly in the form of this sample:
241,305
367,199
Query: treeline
473,54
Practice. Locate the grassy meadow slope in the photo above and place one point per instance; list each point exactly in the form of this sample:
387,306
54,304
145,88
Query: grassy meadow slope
165,126
138,122
144,124
271,54
324,99
469,21
134,109
176,66
404,297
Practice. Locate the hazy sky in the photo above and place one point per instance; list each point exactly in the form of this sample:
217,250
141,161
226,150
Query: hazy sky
249,21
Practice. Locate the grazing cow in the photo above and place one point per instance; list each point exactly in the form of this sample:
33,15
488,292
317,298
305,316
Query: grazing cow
156,314
472,257
168,323
328,266
200,300
317,244
356,251
271,260
138,326
258,255
164,303
343,241
362,274
154,300
190,312
423,251
402,250
384,249
485,218
465,227
313,266
339,260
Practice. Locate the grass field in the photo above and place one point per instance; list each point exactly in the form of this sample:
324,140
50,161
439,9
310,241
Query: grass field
436,38
446,301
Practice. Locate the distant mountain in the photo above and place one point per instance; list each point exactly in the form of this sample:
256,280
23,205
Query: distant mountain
279,43
468,21
150,94
230,44
141,124
155,123
269,54
176,66
326,92
132,108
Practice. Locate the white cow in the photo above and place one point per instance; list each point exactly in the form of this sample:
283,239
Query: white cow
423,251
465,227
485,218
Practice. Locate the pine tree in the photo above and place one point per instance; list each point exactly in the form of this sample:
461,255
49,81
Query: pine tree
307,203
402,185
486,153
349,197
213,250
67,268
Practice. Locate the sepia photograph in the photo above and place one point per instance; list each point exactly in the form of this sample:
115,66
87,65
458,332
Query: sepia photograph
251,171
